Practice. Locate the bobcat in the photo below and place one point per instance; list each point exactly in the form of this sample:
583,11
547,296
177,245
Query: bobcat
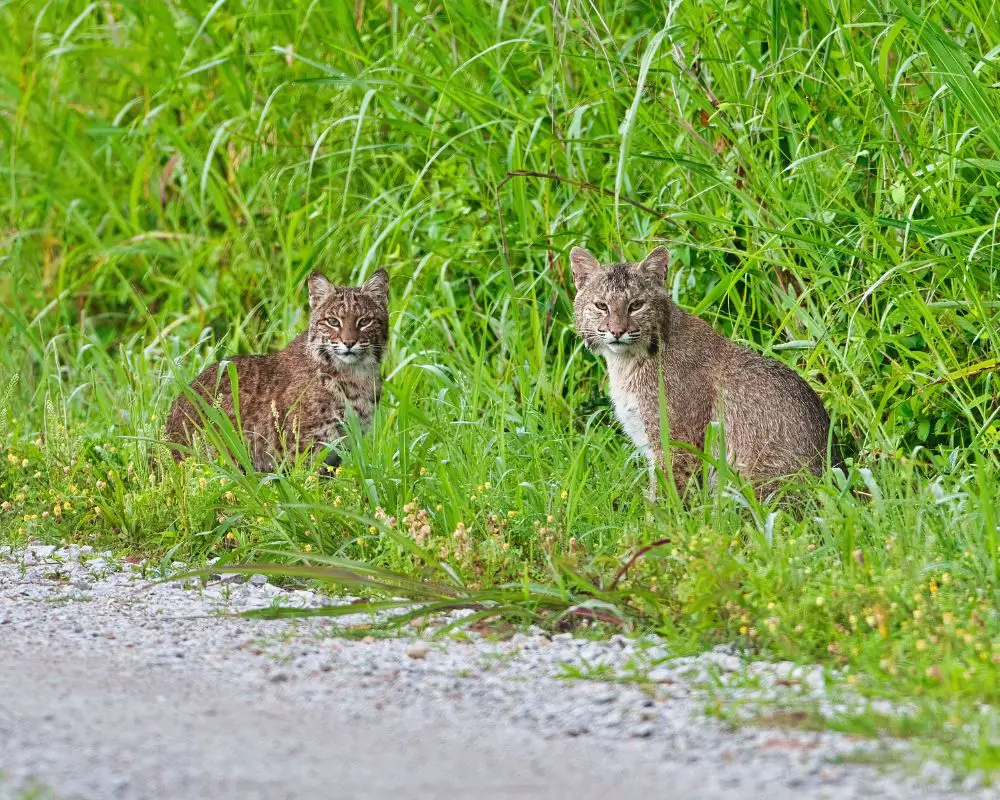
297,399
774,424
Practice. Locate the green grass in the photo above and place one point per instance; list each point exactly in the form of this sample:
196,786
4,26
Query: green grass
826,177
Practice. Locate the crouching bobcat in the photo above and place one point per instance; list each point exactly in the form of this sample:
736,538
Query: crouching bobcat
297,399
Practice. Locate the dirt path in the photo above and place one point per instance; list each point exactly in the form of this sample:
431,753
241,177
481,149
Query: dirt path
106,726
108,690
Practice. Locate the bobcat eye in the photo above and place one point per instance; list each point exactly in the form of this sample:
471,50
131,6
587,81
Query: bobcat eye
364,322
332,322
601,306
633,307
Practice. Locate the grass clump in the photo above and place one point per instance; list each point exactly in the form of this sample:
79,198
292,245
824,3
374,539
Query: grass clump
825,178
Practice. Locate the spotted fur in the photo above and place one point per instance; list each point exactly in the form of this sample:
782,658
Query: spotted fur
298,399
774,424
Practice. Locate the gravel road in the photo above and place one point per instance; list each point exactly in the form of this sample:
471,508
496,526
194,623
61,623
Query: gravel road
112,690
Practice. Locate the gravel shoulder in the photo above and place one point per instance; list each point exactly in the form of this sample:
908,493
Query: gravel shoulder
109,689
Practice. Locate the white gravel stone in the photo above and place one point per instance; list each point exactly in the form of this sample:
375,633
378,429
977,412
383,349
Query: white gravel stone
724,661
417,650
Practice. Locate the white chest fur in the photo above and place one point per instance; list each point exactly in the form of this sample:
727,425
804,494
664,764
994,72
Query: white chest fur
627,404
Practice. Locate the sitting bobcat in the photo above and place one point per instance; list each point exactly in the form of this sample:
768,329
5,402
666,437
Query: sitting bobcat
774,424
297,399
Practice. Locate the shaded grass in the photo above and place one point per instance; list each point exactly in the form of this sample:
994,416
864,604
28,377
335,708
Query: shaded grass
825,178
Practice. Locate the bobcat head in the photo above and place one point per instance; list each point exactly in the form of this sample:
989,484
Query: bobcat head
621,309
348,325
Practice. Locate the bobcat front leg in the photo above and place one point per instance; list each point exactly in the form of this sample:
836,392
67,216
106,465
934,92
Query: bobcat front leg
682,465
652,465
309,445
319,439
681,468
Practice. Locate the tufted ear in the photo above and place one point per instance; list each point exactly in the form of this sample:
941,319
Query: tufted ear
377,285
584,265
655,264
319,288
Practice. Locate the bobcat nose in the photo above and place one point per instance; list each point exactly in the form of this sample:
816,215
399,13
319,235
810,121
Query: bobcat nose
616,334
349,343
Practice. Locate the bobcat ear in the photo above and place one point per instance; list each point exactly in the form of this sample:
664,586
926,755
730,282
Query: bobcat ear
319,288
584,265
377,285
655,264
